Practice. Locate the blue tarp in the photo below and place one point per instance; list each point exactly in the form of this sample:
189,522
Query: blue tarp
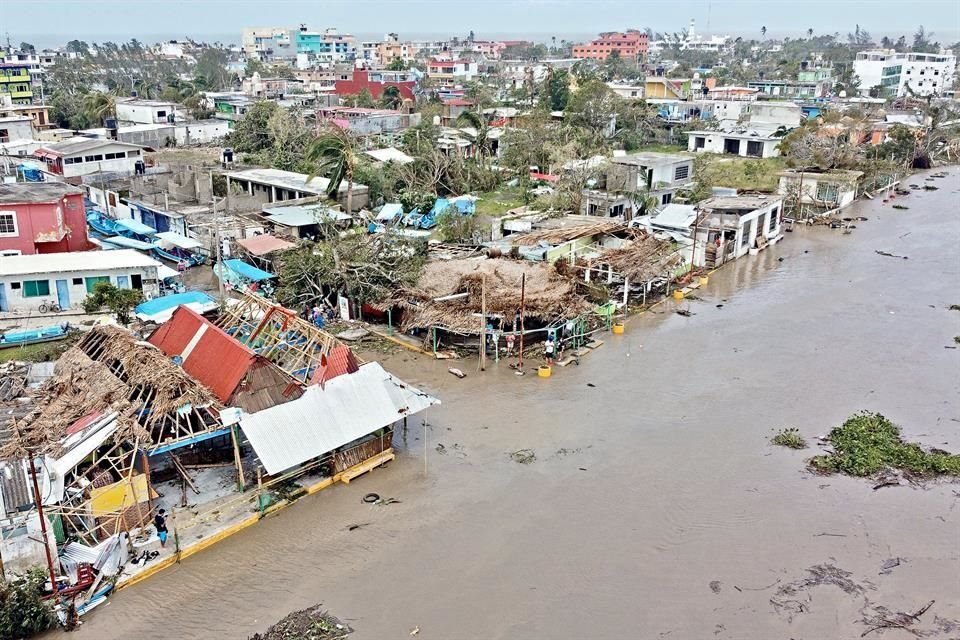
137,227
465,205
164,303
439,207
247,271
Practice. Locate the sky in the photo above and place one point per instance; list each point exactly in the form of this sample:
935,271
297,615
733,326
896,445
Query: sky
52,22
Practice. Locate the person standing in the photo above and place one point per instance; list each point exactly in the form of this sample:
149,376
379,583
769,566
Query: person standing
548,348
160,524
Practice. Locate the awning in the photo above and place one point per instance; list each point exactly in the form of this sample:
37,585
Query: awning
177,240
247,271
303,216
263,244
128,243
345,409
164,272
137,227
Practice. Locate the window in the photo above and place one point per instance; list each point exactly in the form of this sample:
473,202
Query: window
36,288
78,281
8,224
15,285
754,148
72,161
699,142
667,197
774,216
4,135
93,280
136,281
161,114
827,192
616,211
747,232
10,252
681,173
133,154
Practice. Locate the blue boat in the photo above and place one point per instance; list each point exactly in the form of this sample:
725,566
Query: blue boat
11,339
101,223
133,229
176,254
177,248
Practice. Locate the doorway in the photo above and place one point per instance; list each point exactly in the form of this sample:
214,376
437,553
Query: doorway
63,294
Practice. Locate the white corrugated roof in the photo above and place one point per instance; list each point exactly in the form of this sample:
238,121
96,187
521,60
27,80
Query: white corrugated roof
347,407
676,216
74,261
389,154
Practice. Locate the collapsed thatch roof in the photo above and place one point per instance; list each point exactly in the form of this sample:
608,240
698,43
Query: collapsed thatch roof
109,370
548,295
643,259
560,235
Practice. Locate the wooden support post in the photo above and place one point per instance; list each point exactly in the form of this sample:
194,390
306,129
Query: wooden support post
483,323
234,431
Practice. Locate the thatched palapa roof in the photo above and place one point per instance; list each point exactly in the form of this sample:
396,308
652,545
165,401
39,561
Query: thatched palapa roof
438,299
559,235
643,259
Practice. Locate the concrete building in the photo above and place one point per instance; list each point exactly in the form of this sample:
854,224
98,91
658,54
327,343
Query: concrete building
452,72
746,143
811,193
730,227
274,185
41,217
886,73
631,45
350,82
368,122
27,281
15,82
654,175
79,156
38,113
268,43
13,128
137,111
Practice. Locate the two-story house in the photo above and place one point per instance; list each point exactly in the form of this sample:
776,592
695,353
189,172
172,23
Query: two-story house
637,182
41,217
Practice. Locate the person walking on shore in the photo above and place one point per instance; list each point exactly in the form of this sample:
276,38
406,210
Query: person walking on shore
160,524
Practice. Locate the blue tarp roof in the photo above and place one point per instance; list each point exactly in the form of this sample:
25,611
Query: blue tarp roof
390,211
439,206
137,227
247,271
163,303
129,243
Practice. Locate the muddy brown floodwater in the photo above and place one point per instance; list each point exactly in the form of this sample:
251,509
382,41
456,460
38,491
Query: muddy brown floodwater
655,507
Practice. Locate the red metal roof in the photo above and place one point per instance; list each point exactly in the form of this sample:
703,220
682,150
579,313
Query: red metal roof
340,361
83,423
208,354
546,177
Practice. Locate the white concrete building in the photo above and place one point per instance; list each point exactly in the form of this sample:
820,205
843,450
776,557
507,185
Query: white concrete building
27,281
80,156
729,227
745,142
893,74
14,128
138,111
813,193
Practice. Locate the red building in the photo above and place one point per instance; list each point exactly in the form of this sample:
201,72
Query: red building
631,45
352,83
42,217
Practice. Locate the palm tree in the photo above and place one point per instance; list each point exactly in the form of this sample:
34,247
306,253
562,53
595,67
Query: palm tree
391,98
481,139
763,31
334,154
98,106
810,33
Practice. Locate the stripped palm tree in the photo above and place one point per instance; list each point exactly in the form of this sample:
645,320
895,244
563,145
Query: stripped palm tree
481,136
334,154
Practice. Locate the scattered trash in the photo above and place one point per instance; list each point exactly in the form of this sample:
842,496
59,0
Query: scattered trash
780,259
313,623
414,631
889,255
719,306
930,187
900,206
370,498
883,618
523,456
354,527
954,307
715,586
457,372
591,385
889,565
686,313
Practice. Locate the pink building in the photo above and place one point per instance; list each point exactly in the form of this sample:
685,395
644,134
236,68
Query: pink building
42,217
630,45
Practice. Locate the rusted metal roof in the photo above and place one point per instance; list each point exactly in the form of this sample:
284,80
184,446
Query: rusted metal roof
208,354
263,244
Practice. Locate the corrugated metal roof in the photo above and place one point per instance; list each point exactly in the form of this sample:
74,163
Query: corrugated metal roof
340,361
247,271
161,309
263,244
346,408
74,261
208,354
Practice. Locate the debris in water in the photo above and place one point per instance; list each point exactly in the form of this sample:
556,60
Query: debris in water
686,313
954,307
523,456
370,498
715,586
591,385
442,450
313,623
890,565
889,255
900,206
414,631
457,372
719,306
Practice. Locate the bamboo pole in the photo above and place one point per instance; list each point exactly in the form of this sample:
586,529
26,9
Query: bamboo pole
523,291
241,486
483,323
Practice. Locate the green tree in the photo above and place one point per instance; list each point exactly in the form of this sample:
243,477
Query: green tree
365,99
558,89
251,133
455,227
391,98
23,611
119,301
592,106
78,46
211,68
334,155
481,136
98,106
254,66
26,47
397,64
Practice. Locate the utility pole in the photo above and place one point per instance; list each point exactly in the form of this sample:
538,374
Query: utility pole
219,241
43,523
483,323
523,291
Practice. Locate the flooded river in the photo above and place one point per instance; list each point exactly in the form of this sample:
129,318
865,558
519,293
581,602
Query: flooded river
655,508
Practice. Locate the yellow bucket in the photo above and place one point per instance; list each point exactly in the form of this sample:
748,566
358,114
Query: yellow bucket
544,371
704,280
618,328
677,294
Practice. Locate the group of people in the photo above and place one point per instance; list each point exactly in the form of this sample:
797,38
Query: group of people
320,314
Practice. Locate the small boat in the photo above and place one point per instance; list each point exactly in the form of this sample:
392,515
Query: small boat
101,223
10,339
176,254
177,248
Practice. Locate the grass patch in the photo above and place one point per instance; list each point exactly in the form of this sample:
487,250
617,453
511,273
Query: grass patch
42,352
496,203
868,443
746,174
660,148
789,438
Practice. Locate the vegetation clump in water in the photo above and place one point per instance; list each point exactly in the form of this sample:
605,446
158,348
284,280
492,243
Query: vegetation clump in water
789,438
868,443
307,624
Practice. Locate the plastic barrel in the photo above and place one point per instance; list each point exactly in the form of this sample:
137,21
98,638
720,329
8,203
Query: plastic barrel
677,294
544,371
618,328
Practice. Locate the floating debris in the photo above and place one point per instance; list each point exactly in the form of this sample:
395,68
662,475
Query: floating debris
523,456
889,255
313,623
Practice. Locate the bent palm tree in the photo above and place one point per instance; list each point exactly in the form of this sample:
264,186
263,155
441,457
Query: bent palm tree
480,139
98,106
334,155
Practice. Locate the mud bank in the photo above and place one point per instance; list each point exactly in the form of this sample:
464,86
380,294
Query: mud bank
656,506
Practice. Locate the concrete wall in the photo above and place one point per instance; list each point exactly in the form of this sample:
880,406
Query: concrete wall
715,142
21,548
201,132
142,113
16,129
15,301
47,227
